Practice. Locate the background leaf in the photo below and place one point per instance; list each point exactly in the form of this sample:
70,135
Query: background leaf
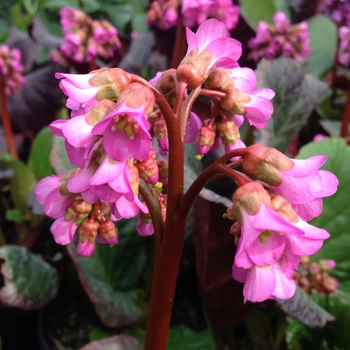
29,282
39,158
253,13
334,335
335,216
323,41
110,277
297,94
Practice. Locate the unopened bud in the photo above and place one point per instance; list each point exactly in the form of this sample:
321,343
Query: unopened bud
99,111
88,231
234,101
327,265
163,167
264,163
166,81
148,168
137,95
284,208
108,231
228,131
193,69
205,139
219,79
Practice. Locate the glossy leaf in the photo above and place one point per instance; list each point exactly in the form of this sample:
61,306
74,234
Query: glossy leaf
29,282
335,216
110,277
302,308
253,13
323,41
334,335
297,94
39,158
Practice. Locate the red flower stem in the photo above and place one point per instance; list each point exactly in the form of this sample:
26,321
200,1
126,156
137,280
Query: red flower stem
346,116
168,259
6,122
180,45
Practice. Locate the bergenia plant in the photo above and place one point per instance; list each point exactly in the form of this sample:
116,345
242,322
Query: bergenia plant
122,173
167,13
283,39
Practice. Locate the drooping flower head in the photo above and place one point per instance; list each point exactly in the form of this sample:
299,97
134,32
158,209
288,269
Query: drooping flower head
163,13
337,10
11,69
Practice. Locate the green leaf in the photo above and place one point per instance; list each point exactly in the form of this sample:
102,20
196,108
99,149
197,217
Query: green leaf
302,308
138,23
334,335
121,15
22,183
58,156
110,277
323,41
39,158
335,216
253,13
123,265
297,94
183,338
29,282
15,215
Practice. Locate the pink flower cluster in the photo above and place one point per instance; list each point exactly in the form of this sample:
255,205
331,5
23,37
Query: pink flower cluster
85,39
237,98
11,69
195,12
270,220
165,13
344,55
283,39
338,10
108,137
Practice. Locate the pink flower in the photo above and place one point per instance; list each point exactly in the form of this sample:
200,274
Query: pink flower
212,36
125,133
271,240
195,11
304,186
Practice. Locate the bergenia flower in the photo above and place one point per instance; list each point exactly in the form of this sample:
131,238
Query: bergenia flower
209,47
11,69
344,36
299,181
271,233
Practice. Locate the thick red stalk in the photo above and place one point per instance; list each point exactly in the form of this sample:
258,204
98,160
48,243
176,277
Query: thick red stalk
180,45
6,122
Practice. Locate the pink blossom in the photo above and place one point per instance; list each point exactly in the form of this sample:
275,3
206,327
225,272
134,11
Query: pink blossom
125,133
64,231
212,36
304,186
195,11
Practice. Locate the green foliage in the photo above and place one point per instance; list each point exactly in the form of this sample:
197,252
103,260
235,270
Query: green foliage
335,215
183,338
253,13
323,41
334,336
29,282
39,159
297,94
111,276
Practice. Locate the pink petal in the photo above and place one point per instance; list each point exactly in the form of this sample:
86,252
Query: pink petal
260,283
239,274
108,171
63,231
285,287
299,245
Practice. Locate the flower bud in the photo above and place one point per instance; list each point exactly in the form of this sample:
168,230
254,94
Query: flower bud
228,131
234,101
219,79
205,139
264,163
148,168
108,231
327,265
284,208
99,111
193,68
88,231
137,95
166,81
